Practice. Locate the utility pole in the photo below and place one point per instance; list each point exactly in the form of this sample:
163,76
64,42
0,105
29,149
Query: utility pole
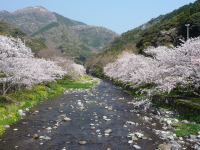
187,25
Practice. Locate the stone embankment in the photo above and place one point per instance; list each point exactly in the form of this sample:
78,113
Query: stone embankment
183,105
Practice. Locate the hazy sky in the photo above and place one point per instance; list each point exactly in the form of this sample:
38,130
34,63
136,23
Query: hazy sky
117,15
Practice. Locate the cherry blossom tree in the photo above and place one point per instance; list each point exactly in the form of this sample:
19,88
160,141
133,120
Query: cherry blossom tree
73,69
164,67
19,66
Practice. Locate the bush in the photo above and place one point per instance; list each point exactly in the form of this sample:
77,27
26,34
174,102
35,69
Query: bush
51,84
40,88
3,99
2,130
30,97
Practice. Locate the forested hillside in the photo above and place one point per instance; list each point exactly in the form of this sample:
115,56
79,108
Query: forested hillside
172,27
165,30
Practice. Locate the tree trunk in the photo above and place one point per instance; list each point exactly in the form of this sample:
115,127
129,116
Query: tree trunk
4,88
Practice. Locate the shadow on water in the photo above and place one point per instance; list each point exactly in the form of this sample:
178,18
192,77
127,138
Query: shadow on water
69,133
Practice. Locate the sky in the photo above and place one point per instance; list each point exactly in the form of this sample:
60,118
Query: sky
117,15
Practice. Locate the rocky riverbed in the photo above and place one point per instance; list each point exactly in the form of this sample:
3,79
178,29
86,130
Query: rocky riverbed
101,118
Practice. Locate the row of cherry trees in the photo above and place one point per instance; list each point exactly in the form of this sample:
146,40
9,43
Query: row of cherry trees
162,66
18,66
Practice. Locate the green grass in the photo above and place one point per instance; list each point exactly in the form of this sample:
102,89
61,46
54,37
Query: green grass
75,84
186,129
134,94
81,83
190,117
11,103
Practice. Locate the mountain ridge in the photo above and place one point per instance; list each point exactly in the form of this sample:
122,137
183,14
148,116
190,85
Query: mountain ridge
72,38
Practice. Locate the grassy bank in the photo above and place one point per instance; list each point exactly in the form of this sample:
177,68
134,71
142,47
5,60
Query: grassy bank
12,102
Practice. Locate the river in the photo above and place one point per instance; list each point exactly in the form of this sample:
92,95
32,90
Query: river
98,122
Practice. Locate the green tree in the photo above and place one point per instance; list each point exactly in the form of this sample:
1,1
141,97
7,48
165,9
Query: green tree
194,24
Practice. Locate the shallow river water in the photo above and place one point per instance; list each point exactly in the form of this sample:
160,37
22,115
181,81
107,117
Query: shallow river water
89,120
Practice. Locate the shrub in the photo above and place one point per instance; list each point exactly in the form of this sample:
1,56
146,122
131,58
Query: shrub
2,130
3,99
42,94
51,84
40,88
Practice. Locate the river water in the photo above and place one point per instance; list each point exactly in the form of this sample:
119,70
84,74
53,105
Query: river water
89,120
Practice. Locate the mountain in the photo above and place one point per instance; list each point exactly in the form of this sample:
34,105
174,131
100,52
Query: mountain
9,30
72,38
165,30
29,19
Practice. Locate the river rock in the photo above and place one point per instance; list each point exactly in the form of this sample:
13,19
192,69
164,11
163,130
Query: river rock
21,113
107,119
145,118
66,119
144,138
49,128
198,137
110,108
136,147
82,142
104,117
139,135
175,121
134,138
192,137
130,122
153,124
35,136
173,144
180,138
169,122
24,123
164,147
7,126
92,128
34,113
98,130
108,131
45,137
130,141
185,121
